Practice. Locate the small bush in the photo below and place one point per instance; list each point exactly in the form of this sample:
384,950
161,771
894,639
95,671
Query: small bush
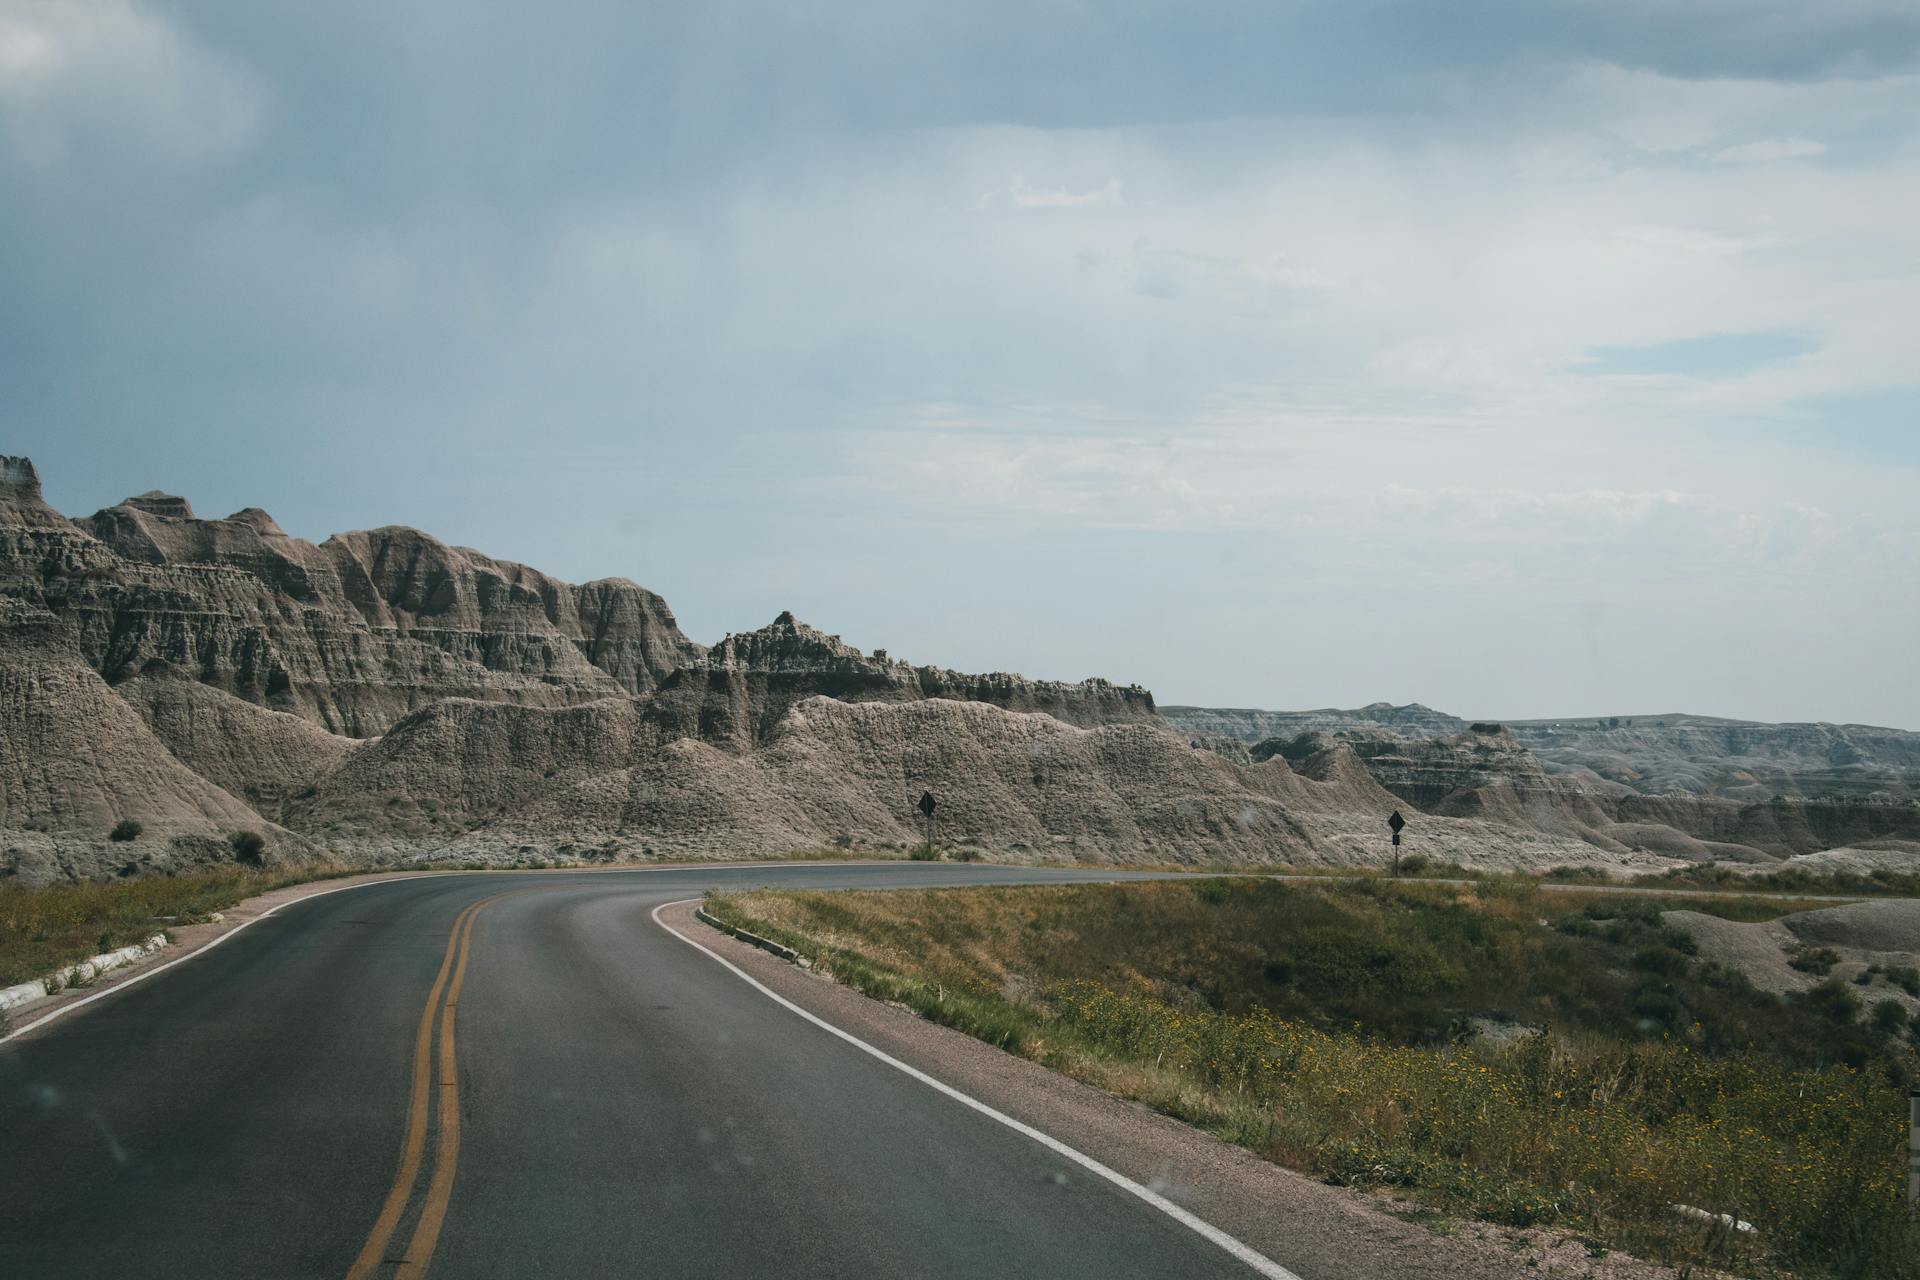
1663,960
1820,961
1832,1000
124,830
924,852
1309,1025
248,846
1889,1016
48,926
1905,977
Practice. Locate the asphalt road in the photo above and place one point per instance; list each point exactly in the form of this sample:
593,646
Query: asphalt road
522,1075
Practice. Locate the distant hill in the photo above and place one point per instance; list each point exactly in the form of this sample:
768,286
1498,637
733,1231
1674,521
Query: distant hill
383,696
1249,725
1654,755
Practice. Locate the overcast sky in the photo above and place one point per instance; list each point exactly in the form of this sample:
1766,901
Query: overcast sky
1522,358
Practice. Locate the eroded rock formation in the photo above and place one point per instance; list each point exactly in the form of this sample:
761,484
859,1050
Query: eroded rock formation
383,695
383,689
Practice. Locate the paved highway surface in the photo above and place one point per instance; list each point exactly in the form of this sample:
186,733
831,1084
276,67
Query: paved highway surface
522,1075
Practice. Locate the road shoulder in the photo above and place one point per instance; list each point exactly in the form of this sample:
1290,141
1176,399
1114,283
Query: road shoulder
1307,1226
188,941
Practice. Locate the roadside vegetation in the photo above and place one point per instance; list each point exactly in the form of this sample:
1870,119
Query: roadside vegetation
49,926
1864,884
1709,877
45,927
1529,1057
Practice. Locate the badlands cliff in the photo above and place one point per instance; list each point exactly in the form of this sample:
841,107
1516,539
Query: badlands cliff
1683,787
381,696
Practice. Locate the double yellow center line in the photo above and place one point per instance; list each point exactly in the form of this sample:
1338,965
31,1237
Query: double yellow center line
433,1213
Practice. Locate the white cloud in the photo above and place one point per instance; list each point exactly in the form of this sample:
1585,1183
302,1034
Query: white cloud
114,67
1770,151
1025,197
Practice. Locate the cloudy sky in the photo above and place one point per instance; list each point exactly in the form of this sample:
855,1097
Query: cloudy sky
1522,357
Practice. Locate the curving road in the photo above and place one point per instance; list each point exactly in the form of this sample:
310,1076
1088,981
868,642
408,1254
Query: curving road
523,1075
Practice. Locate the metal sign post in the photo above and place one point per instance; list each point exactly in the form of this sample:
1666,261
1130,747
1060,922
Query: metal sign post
1394,824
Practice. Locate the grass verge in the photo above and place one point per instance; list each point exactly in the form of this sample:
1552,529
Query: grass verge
1328,1027
47,926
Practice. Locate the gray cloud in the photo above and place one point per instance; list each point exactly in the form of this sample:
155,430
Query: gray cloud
1068,337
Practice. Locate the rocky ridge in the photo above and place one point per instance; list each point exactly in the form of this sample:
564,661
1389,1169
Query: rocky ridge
1653,755
382,695
1249,725
1488,773
389,694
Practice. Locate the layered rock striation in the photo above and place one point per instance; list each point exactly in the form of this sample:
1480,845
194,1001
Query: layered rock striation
1486,773
383,695
1250,725
738,692
206,676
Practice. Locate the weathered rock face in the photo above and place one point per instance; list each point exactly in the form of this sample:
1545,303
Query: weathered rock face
40,549
352,634
267,758
744,686
460,763
253,671
1486,773
1738,759
1653,755
75,760
360,631
1445,773
1019,785
1251,726
383,693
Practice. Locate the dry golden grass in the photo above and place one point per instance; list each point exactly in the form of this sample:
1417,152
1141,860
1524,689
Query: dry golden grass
45,927
1315,1024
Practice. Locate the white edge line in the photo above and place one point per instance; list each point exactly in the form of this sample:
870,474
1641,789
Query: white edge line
1260,1262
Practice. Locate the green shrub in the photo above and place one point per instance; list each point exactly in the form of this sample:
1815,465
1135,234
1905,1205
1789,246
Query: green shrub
1832,1000
925,851
1313,1024
1889,1016
44,927
248,846
124,830
1663,960
1814,960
